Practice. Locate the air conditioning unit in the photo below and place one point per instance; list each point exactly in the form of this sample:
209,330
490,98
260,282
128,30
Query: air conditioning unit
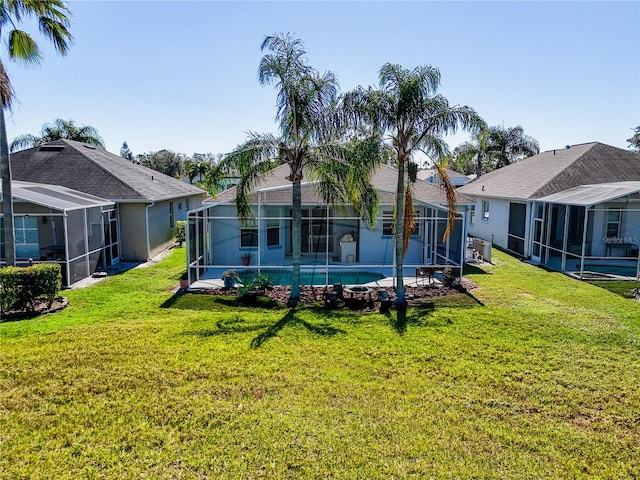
486,215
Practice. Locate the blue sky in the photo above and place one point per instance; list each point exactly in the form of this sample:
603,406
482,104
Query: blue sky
182,75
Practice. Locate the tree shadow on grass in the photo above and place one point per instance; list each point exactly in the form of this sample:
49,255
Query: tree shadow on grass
194,301
420,315
291,319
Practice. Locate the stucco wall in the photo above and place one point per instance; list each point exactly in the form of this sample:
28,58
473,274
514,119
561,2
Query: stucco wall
133,237
494,229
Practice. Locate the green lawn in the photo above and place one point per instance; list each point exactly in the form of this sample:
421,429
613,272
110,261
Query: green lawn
534,376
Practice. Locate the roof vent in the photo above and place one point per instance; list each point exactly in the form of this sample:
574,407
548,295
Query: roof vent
51,148
91,147
567,147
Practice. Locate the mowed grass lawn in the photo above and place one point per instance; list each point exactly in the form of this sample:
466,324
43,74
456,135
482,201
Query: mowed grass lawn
534,376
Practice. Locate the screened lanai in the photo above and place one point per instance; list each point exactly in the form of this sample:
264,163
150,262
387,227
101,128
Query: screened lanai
591,231
55,224
336,244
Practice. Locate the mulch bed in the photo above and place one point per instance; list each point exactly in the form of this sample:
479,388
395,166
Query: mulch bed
311,295
40,309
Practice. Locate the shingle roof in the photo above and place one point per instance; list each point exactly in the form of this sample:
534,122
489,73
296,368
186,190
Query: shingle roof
432,172
85,168
276,189
557,170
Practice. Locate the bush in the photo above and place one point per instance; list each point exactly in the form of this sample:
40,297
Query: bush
181,231
22,287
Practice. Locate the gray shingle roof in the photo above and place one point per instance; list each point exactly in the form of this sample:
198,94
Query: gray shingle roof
277,189
557,170
97,172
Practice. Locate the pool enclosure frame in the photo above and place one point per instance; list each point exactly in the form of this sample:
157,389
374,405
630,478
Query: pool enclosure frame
215,228
54,224
582,241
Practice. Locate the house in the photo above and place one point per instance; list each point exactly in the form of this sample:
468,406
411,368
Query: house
431,175
334,239
575,209
55,224
148,202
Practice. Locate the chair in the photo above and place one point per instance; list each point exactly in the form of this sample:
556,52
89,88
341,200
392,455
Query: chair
425,272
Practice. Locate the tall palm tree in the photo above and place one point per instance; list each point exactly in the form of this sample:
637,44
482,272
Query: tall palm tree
53,20
476,152
59,129
306,143
198,169
412,117
510,145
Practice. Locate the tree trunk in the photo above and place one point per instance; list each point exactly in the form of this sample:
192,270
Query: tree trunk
296,239
479,165
401,301
7,199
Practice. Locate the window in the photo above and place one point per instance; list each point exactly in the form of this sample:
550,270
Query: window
485,210
273,228
26,231
472,214
249,236
614,216
387,223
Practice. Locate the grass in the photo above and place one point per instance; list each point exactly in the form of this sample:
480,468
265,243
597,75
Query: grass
535,375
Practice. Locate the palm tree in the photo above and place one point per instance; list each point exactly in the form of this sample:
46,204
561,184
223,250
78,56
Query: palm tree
495,147
509,145
198,169
307,142
59,129
412,117
53,21
475,152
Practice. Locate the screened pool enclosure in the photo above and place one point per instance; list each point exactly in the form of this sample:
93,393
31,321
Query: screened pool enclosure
55,224
333,240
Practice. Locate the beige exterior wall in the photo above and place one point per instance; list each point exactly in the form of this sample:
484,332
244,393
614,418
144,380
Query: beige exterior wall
133,237
161,217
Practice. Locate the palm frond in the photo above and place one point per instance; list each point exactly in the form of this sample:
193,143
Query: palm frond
452,198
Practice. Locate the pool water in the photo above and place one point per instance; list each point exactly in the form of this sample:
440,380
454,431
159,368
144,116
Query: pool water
624,271
280,277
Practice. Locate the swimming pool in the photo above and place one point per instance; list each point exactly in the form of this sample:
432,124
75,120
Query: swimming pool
621,270
281,277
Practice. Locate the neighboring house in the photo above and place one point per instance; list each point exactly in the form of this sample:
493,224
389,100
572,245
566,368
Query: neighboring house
574,209
55,224
148,202
333,239
431,175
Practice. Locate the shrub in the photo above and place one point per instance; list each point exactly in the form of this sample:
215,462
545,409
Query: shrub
22,287
181,231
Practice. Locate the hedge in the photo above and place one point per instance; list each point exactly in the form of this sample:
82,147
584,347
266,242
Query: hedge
22,287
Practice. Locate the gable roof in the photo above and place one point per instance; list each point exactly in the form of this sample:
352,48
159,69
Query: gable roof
87,169
276,189
557,170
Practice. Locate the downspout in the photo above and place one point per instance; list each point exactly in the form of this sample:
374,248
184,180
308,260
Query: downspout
266,226
463,247
146,213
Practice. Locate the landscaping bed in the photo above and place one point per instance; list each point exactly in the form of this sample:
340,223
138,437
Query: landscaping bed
41,308
316,294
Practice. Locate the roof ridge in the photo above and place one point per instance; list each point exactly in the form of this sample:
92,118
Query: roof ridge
592,145
99,165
